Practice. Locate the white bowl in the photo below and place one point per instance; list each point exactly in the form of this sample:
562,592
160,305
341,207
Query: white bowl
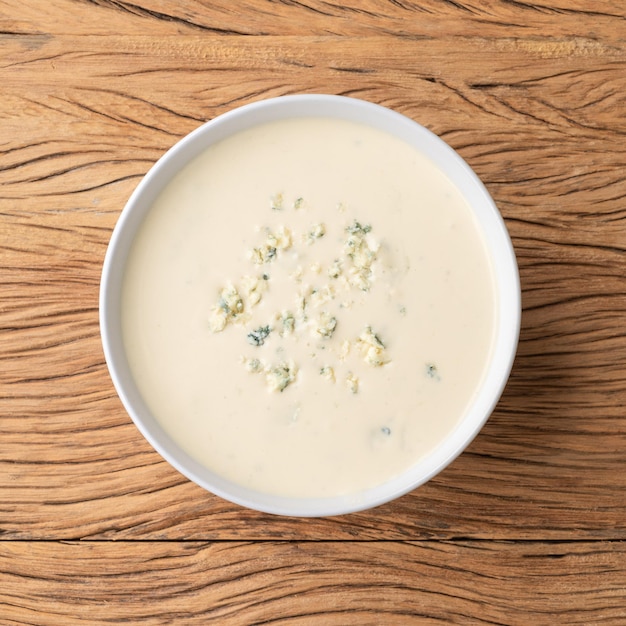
499,248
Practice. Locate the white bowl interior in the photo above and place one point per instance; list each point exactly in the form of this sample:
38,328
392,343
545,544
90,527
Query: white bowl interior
499,247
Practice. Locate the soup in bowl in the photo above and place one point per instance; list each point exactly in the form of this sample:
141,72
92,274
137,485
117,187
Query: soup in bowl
310,305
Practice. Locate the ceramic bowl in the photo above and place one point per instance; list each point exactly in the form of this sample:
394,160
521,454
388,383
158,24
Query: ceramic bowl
490,222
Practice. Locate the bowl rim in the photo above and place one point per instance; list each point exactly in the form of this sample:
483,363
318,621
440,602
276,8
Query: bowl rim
500,248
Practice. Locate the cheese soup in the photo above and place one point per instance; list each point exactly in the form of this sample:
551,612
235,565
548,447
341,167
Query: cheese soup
309,307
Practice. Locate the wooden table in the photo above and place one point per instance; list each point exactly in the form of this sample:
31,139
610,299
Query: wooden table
526,527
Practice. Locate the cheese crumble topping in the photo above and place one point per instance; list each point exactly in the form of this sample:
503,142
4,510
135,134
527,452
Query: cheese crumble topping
319,309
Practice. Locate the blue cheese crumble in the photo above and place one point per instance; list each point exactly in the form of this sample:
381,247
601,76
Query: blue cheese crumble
316,231
229,308
280,376
372,348
352,382
274,243
326,325
362,251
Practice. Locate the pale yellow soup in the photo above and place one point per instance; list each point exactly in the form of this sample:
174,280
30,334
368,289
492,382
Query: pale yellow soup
309,308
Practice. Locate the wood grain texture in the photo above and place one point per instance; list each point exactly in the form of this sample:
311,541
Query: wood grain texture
85,126
313,582
398,18
525,526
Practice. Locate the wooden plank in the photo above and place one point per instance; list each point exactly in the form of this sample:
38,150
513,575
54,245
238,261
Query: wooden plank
312,582
427,18
83,118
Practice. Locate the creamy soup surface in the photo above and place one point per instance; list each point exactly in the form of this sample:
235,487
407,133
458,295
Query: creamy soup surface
309,308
